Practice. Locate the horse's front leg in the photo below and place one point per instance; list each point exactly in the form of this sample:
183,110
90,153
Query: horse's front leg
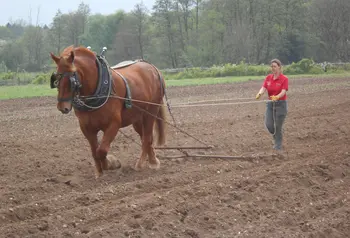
108,136
91,136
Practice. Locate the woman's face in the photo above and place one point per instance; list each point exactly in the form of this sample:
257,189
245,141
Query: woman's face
275,68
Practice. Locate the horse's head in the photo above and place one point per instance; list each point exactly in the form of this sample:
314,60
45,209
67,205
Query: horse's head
65,79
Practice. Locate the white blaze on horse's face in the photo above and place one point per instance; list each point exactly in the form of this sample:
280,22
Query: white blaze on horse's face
63,74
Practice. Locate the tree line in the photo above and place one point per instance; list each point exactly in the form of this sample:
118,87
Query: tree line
189,33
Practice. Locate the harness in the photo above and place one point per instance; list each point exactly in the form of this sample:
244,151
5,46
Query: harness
103,90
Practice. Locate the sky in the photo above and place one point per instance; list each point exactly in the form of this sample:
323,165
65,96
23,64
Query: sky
22,9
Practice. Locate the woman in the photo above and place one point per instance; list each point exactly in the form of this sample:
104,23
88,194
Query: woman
276,85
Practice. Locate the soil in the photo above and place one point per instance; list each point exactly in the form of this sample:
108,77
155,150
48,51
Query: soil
48,188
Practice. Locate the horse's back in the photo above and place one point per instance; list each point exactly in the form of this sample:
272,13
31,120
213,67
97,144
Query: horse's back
145,84
145,81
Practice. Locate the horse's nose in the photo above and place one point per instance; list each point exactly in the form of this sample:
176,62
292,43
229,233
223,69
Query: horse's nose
65,110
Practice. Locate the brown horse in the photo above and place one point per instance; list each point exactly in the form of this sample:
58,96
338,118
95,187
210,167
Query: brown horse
107,99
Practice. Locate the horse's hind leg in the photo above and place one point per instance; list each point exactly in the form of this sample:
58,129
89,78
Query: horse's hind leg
147,143
141,162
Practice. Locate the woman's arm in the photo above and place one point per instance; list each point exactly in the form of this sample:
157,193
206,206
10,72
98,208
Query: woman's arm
262,90
284,88
278,96
282,93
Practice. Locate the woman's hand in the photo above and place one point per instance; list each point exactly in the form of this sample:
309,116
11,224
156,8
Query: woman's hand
275,98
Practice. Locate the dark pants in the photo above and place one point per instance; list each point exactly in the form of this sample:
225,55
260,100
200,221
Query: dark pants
275,115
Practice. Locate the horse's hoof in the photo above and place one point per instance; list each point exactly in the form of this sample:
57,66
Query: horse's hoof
155,165
140,164
114,163
98,175
98,171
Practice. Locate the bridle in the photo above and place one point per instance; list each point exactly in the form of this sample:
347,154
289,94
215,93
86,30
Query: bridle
75,84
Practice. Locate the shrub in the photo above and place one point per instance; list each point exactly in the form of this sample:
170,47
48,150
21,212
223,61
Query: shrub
41,79
242,69
8,75
304,66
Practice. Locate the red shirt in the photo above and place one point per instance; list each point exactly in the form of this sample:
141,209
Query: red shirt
275,86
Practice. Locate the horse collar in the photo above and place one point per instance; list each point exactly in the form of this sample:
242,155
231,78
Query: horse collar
102,92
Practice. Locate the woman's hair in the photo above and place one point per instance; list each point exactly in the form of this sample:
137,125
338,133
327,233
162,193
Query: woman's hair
277,61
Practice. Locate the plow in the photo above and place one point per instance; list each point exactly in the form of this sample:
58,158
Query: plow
205,149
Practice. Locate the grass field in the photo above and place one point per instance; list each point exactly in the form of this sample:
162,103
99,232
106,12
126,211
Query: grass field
23,91
11,92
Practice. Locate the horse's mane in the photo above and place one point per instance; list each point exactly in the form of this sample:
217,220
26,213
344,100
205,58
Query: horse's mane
77,51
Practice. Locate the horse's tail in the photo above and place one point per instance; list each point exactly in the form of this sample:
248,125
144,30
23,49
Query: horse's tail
161,116
161,125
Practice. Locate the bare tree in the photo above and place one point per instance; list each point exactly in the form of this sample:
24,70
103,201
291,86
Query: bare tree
140,13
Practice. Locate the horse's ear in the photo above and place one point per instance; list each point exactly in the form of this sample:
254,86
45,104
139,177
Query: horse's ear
70,59
55,58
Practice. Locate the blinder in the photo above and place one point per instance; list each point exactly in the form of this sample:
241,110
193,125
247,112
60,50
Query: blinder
53,80
75,84
57,77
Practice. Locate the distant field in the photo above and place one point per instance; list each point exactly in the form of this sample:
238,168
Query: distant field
10,92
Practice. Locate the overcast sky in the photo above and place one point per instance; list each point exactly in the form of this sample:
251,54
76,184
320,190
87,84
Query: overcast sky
20,9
